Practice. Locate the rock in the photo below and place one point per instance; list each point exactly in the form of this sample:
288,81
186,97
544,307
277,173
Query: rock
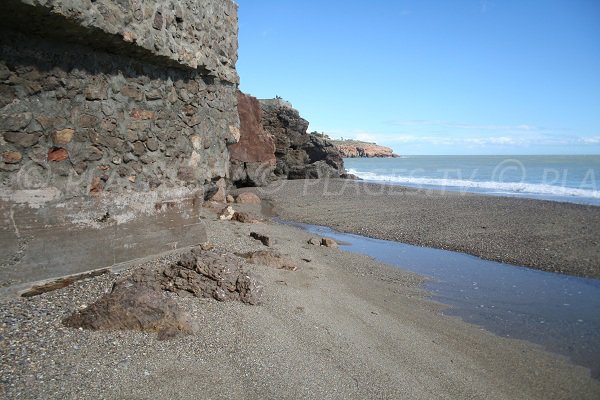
314,241
227,213
230,198
264,239
152,144
254,148
96,186
88,121
208,274
247,198
92,153
143,114
244,218
138,148
15,122
12,157
350,176
249,288
97,90
270,258
129,37
22,139
63,136
296,150
133,92
58,154
328,243
207,246
133,306
157,23
217,192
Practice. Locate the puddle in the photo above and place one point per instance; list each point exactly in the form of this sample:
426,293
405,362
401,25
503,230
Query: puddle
559,312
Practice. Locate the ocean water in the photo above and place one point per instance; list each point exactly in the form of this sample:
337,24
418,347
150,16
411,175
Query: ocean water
574,179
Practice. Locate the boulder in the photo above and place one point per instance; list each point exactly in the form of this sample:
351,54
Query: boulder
244,218
133,306
328,242
264,239
247,198
227,213
314,241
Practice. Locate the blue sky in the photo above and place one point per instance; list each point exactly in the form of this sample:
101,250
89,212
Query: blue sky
432,76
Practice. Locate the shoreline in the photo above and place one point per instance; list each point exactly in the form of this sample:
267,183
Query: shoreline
546,235
341,326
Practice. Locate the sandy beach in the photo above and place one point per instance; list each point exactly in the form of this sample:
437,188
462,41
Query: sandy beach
552,236
341,326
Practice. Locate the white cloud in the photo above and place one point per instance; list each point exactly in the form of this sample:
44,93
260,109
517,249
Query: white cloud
590,140
464,125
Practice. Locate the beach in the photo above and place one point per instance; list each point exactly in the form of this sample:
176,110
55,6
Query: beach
547,235
340,326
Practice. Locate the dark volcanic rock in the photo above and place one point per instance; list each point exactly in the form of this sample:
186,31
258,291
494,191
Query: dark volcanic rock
205,274
299,154
137,302
133,306
264,239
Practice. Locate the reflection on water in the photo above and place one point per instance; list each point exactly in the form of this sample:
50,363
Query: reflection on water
559,312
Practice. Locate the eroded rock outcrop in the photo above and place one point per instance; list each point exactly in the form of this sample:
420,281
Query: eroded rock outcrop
355,148
299,154
137,302
252,159
133,306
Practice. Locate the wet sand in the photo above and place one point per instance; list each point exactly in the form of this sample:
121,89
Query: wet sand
340,327
552,236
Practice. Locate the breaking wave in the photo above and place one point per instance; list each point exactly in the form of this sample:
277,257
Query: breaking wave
509,188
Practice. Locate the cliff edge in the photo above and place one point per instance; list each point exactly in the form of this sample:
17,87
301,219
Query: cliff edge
355,148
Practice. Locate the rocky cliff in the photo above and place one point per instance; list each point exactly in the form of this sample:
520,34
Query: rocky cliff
355,148
299,154
274,144
115,118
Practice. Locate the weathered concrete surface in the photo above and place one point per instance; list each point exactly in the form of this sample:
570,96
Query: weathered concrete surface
65,238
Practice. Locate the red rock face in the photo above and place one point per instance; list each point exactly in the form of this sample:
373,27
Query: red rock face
255,145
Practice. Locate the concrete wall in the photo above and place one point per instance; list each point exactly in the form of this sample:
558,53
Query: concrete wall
101,101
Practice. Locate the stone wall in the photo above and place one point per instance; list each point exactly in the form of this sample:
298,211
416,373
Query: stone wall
101,101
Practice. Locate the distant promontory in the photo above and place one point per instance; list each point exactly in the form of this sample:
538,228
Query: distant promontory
354,148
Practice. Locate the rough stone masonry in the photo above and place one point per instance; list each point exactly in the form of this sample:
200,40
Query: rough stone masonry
114,117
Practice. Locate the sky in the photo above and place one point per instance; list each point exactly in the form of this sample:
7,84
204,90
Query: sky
432,76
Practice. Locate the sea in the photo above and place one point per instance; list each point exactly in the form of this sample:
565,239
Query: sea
564,178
